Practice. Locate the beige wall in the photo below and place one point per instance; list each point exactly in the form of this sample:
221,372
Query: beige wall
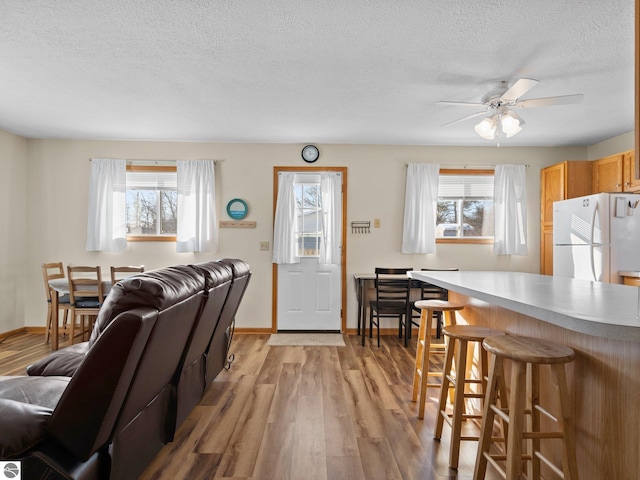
14,215
614,145
49,177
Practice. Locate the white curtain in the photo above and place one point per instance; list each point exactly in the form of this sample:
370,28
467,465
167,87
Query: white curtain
510,197
197,224
421,196
284,227
107,212
331,203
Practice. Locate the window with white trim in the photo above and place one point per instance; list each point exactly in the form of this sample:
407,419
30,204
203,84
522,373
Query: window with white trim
152,201
465,208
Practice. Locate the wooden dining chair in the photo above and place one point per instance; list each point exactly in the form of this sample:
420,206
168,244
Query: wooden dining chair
118,273
86,297
53,271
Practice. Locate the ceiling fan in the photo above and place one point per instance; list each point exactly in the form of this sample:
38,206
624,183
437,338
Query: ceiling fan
498,108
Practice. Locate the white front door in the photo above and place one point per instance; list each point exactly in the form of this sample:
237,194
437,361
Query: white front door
309,293
309,296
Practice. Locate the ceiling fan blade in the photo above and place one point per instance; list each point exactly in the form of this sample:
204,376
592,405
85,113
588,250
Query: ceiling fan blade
461,104
549,101
518,89
477,114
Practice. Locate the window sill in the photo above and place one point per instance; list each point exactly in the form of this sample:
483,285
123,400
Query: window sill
151,238
476,240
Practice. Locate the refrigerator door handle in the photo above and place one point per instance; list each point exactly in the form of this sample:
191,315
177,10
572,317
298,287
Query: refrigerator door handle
593,230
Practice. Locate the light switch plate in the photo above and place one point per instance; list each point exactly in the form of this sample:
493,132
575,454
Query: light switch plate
264,245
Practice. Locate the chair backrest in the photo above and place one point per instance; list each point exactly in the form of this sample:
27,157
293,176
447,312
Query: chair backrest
85,282
51,271
392,285
429,291
118,273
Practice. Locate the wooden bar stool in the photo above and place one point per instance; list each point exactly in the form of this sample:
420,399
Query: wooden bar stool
531,353
424,347
458,337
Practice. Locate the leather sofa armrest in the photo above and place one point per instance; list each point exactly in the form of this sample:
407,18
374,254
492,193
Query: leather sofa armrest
22,425
62,362
26,406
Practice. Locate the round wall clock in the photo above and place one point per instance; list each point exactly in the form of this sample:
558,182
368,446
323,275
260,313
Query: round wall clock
310,153
237,209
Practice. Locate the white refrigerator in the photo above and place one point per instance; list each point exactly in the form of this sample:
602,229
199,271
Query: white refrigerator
596,236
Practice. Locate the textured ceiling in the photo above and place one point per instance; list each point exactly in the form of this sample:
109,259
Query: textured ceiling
324,71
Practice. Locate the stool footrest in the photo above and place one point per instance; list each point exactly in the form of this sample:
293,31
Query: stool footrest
471,415
473,395
546,413
549,464
542,435
503,413
502,458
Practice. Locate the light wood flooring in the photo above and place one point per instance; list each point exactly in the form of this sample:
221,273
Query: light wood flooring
300,413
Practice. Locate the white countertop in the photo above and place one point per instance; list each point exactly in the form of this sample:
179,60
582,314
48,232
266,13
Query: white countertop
601,309
629,274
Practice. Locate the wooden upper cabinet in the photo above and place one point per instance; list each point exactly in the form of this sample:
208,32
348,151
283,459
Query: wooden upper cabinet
630,182
564,180
607,174
615,173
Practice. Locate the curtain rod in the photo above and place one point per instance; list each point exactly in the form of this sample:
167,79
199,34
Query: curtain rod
156,162
467,165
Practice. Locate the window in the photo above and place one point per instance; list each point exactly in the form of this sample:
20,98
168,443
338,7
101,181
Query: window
465,206
152,201
309,217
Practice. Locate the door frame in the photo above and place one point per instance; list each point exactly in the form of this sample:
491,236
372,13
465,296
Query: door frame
343,250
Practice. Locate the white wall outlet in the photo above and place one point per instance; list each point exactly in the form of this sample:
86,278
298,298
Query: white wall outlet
376,223
264,245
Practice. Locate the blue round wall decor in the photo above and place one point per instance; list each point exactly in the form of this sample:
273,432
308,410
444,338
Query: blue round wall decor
237,209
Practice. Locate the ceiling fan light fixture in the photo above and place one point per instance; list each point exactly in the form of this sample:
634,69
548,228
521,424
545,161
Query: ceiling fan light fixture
487,128
516,130
510,124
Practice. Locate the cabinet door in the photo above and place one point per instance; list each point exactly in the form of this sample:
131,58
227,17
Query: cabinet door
552,188
552,181
631,183
546,252
607,174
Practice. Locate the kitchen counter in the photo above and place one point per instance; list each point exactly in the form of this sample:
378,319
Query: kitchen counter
604,310
600,322
630,278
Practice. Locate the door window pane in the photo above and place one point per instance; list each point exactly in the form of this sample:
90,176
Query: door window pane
308,214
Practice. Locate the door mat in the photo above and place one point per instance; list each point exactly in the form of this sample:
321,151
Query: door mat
306,340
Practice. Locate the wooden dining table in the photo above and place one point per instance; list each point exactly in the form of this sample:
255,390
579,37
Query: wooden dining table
60,286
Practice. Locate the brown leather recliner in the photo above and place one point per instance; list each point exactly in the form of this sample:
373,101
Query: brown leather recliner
219,349
168,377
61,427
191,381
207,355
